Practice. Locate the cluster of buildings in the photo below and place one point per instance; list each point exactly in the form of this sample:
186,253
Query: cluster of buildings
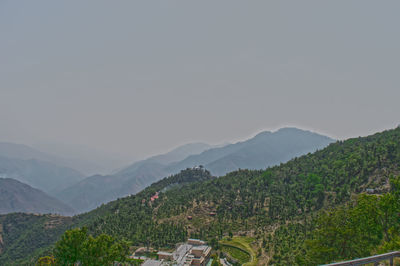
193,252
154,197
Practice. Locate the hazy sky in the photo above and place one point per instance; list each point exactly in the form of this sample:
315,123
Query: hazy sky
140,77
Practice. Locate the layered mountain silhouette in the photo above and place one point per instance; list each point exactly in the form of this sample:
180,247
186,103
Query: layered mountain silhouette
42,175
25,152
263,150
16,196
98,189
44,171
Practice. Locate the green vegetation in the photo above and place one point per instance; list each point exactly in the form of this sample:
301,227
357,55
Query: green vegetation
240,249
371,224
236,253
307,199
134,262
76,246
214,260
255,153
46,261
26,236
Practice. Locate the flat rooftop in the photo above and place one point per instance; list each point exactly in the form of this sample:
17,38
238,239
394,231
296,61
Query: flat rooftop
152,263
202,247
164,253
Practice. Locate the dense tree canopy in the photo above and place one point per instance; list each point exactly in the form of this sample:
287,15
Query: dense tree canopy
77,246
368,225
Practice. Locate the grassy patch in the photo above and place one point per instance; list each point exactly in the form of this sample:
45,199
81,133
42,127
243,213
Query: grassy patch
240,249
238,254
134,262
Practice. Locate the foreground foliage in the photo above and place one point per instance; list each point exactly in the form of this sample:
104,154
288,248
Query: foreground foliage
76,246
26,237
369,225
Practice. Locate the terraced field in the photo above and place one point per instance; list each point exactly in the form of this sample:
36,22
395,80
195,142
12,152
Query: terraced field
240,249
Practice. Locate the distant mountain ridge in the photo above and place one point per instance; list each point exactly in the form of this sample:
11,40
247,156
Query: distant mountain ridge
172,156
95,190
42,175
263,150
181,152
25,152
16,196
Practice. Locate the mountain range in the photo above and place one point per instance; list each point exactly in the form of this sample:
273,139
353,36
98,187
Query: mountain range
25,152
98,189
39,174
19,197
263,150
277,208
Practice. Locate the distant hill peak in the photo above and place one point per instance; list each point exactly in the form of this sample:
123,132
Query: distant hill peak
16,196
40,174
264,150
287,129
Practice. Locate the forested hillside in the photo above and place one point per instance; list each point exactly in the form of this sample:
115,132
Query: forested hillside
95,190
24,237
263,150
278,207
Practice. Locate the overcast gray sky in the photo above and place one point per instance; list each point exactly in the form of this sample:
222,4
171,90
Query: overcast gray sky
140,77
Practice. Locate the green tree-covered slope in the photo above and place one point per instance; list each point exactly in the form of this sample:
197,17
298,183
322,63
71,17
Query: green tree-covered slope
265,204
24,237
263,150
